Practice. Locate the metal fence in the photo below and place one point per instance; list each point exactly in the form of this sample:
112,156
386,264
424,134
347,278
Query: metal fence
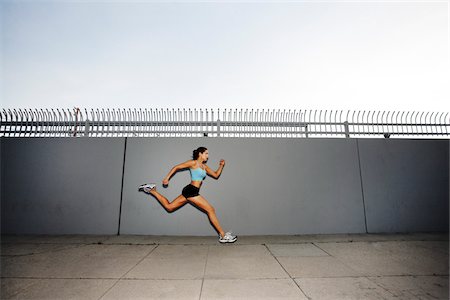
221,123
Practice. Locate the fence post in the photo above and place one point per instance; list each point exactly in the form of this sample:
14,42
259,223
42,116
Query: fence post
218,127
86,128
347,131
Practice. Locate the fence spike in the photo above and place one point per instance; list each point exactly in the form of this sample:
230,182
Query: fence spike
445,123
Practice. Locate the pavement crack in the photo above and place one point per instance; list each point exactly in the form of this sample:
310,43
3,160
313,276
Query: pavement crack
379,285
322,249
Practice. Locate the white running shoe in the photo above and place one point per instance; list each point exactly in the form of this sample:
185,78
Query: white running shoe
146,187
228,238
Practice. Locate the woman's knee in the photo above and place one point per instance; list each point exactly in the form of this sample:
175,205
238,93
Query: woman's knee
211,210
173,206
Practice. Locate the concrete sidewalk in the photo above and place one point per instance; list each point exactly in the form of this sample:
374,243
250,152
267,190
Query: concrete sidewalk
359,266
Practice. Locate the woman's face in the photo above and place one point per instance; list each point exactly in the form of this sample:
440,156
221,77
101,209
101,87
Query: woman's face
204,156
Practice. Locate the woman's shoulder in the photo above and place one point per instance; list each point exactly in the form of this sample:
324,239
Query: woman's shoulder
187,164
192,164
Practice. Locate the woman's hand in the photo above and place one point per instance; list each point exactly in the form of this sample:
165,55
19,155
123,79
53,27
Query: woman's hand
222,162
165,182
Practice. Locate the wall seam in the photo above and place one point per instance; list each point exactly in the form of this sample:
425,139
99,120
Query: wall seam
2,177
121,188
448,178
362,185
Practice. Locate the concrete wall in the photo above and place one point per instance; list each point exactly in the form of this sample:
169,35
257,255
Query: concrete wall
405,184
268,186
61,186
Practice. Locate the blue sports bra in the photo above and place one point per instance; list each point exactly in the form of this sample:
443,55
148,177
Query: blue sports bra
197,174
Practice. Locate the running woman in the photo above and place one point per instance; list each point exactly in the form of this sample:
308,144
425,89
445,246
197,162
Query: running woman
198,168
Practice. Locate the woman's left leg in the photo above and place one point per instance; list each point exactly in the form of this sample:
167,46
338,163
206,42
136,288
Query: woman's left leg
169,206
210,211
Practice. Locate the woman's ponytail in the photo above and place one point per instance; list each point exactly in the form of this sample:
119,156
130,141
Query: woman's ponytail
195,154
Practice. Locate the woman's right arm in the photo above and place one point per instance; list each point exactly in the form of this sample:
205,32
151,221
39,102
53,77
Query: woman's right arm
185,165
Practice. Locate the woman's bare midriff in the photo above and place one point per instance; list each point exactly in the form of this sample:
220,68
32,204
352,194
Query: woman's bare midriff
196,183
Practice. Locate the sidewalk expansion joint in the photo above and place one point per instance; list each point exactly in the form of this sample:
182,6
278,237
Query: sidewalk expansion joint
43,252
295,282
204,273
121,277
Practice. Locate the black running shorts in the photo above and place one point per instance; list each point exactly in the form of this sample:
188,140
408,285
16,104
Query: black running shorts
190,191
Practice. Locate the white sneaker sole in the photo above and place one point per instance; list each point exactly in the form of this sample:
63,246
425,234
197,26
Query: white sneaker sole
143,188
228,241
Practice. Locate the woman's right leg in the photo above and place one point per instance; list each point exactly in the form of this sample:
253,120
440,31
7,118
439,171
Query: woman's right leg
169,206
210,211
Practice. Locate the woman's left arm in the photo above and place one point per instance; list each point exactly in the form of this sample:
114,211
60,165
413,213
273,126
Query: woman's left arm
215,174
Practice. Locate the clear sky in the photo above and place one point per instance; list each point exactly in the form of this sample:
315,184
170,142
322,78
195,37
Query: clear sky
384,55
